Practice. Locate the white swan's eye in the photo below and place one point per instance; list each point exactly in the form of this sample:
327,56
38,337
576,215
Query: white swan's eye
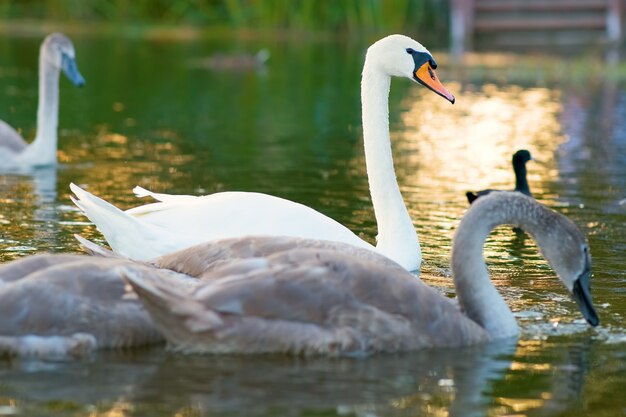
410,51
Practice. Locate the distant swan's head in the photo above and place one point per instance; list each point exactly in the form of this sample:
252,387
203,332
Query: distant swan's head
58,51
401,56
522,156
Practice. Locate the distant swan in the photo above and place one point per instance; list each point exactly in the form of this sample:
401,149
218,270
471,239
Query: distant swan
56,53
233,62
521,182
308,301
177,222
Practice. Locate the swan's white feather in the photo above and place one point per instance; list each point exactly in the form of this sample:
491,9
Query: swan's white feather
142,192
168,227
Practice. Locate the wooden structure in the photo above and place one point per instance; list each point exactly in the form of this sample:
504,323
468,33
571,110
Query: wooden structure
502,24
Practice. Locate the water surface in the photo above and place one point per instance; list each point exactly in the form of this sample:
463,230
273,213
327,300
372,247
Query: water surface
148,116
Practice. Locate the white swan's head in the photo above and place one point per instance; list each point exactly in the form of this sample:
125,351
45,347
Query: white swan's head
57,50
401,56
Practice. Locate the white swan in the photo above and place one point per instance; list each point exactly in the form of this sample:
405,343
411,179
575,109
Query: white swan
307,300
56,53
181,221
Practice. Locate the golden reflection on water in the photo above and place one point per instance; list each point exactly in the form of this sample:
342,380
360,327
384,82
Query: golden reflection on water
435,406
107,163
442,150
154,163
120,408
471,142
528,347
521,366
521,404
189,411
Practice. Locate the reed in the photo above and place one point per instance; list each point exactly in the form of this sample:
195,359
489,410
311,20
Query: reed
351,15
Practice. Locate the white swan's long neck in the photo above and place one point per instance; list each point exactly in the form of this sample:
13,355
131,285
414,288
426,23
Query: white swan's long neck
396,234
43,149
477,295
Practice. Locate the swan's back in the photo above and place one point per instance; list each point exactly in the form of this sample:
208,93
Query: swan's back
22,268
307,301
70,307
208,260
10,141
256,214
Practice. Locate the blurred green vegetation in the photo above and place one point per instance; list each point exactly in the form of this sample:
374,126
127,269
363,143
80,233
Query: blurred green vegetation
334,15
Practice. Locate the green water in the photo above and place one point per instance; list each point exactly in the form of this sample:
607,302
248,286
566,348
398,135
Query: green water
147,116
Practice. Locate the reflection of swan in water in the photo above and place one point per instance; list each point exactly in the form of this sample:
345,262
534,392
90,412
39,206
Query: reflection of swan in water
233,62
455,379
56,54
573,363
45,183
466,382
39,201
307,301
42,180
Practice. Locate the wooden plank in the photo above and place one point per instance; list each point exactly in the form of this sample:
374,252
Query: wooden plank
511,24
520,5
519,22
614,19
541,39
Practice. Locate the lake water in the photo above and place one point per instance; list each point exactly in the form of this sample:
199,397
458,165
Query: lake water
149,116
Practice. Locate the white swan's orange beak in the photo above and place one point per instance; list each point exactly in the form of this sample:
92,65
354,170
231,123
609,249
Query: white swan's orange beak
426,76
